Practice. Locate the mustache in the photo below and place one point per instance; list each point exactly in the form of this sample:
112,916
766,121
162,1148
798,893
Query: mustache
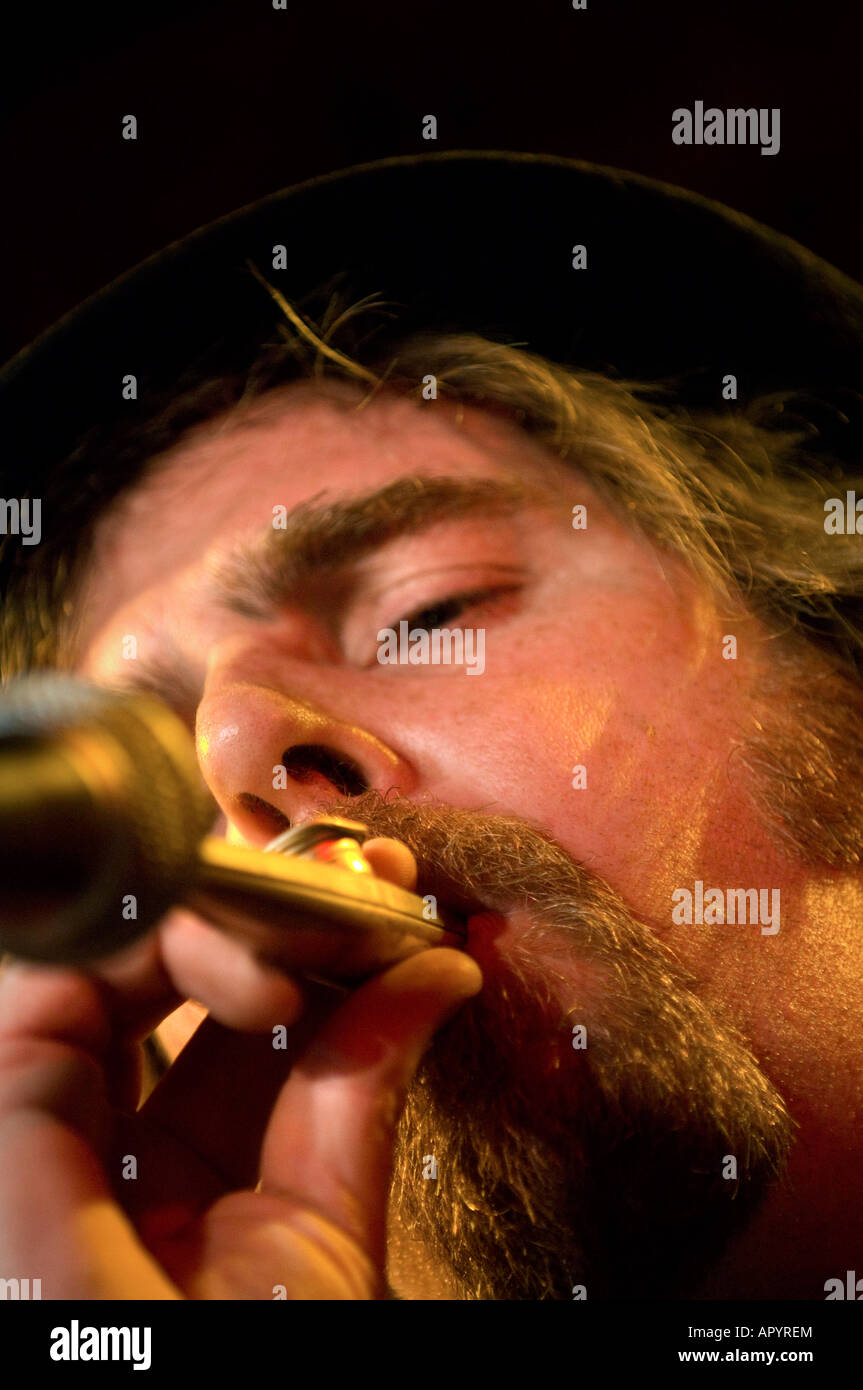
605,1163
478,862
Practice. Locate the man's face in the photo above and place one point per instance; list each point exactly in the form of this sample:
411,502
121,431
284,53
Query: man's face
597,652
607,714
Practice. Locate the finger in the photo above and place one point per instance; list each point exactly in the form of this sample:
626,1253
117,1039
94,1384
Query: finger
239,990
59,1003
133,986
218,1094
392,860
328,1146
54,1031
187,958
217,1097
54,1012
56,1212
57,1216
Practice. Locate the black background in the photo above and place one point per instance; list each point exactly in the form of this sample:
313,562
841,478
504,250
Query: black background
236,99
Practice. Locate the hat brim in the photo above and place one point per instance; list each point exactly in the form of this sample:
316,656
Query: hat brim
674,285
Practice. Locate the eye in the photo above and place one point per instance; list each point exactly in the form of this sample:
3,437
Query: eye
444,610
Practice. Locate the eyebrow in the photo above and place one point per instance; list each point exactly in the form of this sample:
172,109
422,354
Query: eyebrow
321,539
164,674
254,578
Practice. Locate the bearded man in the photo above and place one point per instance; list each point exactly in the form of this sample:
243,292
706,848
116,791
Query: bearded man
597,421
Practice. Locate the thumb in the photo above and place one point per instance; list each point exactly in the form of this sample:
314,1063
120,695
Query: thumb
328,1146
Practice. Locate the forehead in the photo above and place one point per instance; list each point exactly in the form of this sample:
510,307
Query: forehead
224,480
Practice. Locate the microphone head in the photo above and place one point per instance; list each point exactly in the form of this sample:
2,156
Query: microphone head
102,810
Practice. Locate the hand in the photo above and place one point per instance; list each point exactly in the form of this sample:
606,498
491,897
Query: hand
312,1126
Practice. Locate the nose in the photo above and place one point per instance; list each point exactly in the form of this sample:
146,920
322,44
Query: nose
272,759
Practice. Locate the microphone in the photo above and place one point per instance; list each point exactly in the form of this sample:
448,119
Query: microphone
103,828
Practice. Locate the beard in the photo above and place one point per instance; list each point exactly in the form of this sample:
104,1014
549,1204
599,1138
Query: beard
803,757
592,1122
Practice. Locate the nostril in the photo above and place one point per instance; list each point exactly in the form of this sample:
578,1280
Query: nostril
263,811
309,761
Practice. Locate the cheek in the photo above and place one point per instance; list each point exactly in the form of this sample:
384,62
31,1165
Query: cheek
609,734
506,743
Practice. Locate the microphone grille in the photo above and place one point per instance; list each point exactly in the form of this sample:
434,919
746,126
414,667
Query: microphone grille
40,704
158,809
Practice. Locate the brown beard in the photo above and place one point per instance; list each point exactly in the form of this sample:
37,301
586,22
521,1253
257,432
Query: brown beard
557,1167
803,755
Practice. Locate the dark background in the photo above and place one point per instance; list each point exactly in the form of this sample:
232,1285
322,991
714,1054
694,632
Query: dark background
235,99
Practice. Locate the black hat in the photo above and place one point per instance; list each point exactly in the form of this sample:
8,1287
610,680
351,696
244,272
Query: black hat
673,285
